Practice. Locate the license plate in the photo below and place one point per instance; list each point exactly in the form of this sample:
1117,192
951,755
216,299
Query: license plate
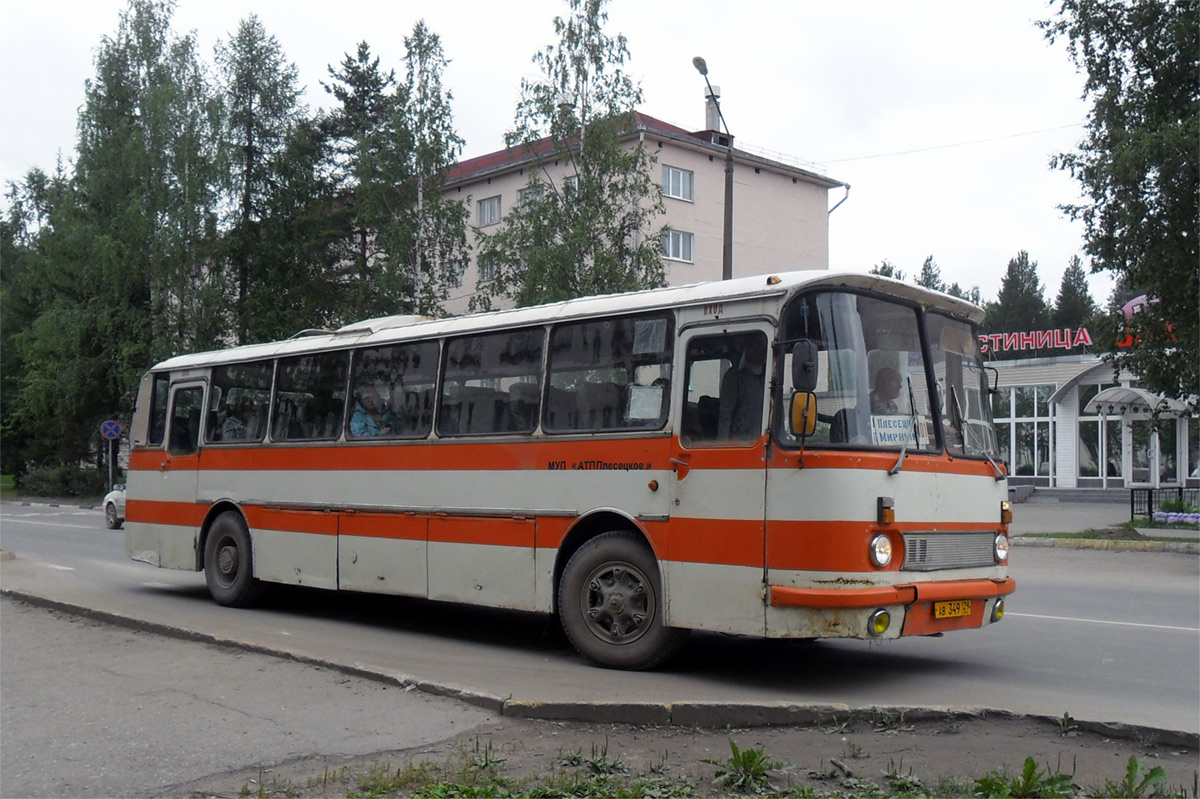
952,609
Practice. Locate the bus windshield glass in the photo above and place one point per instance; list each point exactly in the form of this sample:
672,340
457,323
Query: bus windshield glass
872,390
963,386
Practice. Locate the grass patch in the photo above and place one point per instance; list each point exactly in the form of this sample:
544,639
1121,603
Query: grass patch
745,773
8,487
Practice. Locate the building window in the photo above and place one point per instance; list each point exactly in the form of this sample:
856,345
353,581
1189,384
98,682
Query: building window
525,197
489,267
1024,419
571,186
489,211
677,245
677,183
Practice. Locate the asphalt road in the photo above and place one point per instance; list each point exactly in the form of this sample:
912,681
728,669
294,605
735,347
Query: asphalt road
1105,636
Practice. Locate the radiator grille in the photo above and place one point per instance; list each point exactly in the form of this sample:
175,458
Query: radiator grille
926,552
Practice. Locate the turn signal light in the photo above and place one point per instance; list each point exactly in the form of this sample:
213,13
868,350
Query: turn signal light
1006,512
885,510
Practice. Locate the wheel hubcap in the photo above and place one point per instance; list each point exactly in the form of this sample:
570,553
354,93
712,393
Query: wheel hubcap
227,560
618,603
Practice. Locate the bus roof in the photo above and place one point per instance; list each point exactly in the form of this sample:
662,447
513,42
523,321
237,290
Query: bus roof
401,328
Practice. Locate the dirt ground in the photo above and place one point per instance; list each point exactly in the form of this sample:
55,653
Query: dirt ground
944,756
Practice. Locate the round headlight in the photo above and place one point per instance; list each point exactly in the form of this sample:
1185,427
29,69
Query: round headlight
881,550
1001,548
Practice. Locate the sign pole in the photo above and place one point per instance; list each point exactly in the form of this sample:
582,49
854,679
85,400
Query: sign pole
111,430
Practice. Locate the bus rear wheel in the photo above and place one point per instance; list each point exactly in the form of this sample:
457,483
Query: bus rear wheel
228,562
610,604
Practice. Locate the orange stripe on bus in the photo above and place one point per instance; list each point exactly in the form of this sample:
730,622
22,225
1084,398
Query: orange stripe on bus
787,597
493,532
187,514
315,522
725,541
842,546
408,526
539,454
878,461
921,593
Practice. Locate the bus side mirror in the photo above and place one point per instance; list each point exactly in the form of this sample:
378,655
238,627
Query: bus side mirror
804,414
804,366
994,383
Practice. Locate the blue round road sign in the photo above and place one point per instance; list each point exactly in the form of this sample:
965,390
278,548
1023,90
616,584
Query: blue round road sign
110,429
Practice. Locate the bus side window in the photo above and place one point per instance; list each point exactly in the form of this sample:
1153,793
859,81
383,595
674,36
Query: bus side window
185,421
158,410
609,374
726,377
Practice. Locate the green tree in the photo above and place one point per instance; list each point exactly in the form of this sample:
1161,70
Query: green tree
1139,167
261,101
931,276
422,235
112,267
371,143
1020,304
970,295
886,268
1074,306
588,230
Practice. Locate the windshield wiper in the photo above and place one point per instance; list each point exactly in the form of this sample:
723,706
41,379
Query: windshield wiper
912,429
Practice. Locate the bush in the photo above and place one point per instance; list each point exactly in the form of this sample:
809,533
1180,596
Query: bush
63,481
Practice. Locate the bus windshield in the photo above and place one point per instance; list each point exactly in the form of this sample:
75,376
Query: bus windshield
872,386
963,388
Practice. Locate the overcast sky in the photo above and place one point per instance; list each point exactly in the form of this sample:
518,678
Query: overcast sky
941,114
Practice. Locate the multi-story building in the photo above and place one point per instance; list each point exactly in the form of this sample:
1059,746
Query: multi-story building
780,219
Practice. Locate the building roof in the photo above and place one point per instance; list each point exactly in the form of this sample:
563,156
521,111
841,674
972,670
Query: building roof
1126,400
513,158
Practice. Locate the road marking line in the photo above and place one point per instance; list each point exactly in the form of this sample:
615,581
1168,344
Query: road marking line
1113,623
53,524
56,566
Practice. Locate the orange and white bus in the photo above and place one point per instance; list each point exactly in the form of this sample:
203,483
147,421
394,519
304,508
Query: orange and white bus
808,455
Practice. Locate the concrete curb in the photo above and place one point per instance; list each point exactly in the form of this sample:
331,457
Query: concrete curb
709,715
50,503
1181,547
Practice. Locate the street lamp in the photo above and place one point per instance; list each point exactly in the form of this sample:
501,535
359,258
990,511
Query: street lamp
727,244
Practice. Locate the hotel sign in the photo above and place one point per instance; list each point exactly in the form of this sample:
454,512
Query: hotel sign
1064,339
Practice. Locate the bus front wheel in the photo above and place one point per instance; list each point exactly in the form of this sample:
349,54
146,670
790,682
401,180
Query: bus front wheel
228,562
610,603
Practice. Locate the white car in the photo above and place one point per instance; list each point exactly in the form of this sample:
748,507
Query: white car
114,507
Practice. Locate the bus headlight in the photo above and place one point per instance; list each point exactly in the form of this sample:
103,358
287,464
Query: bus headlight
879,622
881,550
1001,548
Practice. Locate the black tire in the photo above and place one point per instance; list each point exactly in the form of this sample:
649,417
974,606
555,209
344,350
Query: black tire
229,562
111,519
610,604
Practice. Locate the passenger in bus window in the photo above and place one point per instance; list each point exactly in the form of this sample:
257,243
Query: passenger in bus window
371,416
234,427
740,414
887,388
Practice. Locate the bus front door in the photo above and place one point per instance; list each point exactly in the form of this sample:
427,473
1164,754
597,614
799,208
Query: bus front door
715,568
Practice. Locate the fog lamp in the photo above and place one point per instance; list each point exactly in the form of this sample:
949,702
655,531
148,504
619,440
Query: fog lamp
879,622
998,610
